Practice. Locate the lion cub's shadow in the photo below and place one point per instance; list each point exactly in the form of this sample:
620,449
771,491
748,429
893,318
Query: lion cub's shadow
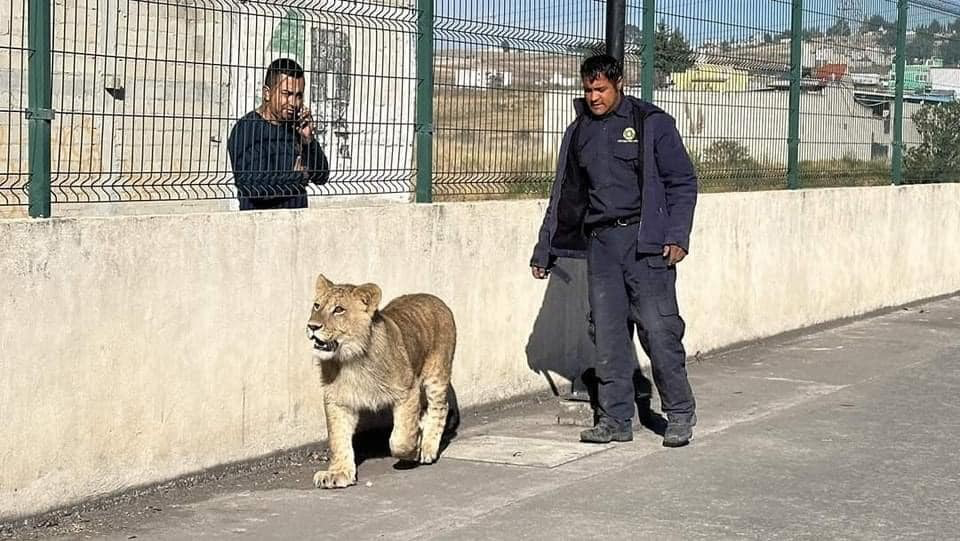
373,439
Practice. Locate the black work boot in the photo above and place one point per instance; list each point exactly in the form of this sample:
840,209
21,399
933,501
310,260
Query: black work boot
606,431
679,430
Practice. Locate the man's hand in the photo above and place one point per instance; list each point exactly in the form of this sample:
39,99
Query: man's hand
673,254
539,272
305,126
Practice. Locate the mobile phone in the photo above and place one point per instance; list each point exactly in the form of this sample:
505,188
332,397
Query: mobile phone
299,122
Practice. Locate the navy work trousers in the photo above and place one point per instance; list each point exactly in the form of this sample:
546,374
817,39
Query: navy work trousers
625,286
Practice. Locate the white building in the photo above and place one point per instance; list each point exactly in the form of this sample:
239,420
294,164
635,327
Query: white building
945,80
476,78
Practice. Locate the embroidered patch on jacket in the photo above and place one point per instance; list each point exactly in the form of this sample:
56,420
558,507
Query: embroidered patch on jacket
629,136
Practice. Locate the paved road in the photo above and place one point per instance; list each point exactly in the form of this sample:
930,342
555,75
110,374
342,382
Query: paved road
845,433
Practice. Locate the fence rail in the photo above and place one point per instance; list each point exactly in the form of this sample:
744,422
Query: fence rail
767,94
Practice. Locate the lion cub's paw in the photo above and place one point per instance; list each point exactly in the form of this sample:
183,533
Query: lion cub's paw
428,457
334,478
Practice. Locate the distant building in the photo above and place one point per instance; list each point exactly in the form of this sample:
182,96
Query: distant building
865,79
475,78
831,72
565,81
945,81
916,77
816,55
711,78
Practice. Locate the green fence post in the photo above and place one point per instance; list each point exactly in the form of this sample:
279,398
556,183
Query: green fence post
648,76
615,28
896,165
424,101
39,109
796,77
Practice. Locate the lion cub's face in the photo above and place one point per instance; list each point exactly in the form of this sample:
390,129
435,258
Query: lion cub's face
341,319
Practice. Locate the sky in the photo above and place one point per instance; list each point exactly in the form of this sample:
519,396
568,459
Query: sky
699,20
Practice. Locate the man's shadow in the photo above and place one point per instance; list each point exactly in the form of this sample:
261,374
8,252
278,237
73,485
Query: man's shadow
562,344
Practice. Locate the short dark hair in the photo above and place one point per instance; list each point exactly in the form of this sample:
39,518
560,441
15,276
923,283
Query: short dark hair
601,64
282,66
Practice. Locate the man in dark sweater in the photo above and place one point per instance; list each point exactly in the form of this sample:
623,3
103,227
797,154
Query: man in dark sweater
273,151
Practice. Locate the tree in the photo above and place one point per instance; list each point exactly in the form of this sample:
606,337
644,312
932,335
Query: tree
888,38
674,54
954,27
839,28
767,38
679,53
922,46
875,23
934,28
937,157
950,51
810,33
505,45
727,153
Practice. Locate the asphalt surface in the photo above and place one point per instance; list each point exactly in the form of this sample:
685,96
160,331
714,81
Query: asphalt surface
848,432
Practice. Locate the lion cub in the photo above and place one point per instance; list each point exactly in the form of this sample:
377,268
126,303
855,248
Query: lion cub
371,359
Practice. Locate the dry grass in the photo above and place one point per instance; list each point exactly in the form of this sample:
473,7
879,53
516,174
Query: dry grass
490,144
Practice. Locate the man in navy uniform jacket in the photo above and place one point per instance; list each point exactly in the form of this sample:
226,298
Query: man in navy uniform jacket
623,198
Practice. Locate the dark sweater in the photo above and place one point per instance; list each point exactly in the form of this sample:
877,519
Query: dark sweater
263,155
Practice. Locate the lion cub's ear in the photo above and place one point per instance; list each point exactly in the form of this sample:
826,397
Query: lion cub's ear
369,294
323,284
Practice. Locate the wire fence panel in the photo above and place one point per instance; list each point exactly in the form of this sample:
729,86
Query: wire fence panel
14,172
147,93
722,70
846,106
506,74
931,86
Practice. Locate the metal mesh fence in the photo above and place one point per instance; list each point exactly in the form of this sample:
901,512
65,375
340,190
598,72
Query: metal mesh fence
505,77
845,110
148,92
14,173
722,72
931,83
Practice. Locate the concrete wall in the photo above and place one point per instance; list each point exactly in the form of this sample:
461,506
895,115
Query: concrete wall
135,349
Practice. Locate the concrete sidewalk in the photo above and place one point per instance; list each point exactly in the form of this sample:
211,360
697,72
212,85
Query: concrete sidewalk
846,433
